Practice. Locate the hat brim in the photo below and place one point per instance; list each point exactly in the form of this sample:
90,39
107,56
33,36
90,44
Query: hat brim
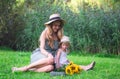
49,22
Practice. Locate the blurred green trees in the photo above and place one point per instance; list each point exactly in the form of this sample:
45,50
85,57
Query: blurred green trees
11,21
92,25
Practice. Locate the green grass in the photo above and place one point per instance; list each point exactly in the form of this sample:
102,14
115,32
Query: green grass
106,67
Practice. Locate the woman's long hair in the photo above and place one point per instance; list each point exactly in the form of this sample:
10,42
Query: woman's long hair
49,34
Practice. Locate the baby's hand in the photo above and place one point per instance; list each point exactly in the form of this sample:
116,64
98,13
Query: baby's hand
57,66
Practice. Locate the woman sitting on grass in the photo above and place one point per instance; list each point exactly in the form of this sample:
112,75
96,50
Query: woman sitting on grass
61,57
42,59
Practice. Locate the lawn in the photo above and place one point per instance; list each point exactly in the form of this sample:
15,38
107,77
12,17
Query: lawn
107,67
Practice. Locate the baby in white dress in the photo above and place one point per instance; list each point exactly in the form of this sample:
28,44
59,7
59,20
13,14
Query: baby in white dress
61,56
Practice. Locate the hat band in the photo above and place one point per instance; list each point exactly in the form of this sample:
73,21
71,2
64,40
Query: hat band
55,18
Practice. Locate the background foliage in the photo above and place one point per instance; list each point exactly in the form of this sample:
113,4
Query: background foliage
92,25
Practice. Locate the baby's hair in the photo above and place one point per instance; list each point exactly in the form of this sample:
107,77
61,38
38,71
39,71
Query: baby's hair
66,43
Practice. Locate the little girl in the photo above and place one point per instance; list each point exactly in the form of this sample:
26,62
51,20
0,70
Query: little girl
61,56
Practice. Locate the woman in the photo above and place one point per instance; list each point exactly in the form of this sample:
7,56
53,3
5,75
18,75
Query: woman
42,59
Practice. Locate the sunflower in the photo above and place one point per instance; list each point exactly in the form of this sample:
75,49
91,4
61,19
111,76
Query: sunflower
68,70
72,68
70,63
76,68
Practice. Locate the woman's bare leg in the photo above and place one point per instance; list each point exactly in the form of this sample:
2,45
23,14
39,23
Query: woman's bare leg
47,68
42,62
45,61
88,67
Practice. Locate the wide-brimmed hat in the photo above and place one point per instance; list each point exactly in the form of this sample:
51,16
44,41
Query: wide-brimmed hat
54,17
65,39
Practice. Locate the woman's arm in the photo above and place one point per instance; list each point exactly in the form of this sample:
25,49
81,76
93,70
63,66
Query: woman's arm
42,44
58,58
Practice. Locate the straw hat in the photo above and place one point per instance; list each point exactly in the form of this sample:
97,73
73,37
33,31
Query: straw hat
65,39
54,17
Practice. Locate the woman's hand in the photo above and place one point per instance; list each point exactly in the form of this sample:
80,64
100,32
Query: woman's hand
50,55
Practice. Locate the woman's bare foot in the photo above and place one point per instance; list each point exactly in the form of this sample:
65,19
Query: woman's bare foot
91,66
14,69
88,67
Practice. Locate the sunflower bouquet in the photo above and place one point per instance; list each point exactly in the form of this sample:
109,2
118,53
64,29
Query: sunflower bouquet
72,68
69,69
